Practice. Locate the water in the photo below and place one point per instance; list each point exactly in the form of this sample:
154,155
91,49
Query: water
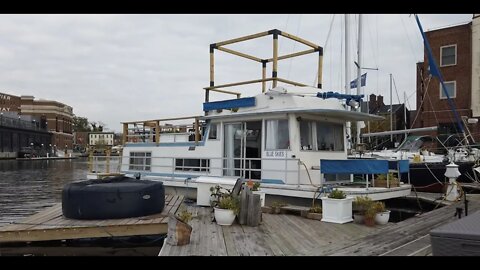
27,187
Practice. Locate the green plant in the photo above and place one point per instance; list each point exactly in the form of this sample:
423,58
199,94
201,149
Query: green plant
392,176
381,177
184,215
315,209
361,204
379,207
337,194
229,202
277,204
218,192
370,212
256,186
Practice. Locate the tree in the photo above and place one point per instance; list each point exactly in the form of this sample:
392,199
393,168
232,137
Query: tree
80,124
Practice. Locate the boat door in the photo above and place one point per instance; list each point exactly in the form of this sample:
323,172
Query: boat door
242,149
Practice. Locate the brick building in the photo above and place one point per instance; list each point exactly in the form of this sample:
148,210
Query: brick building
53,116
377,106
452,50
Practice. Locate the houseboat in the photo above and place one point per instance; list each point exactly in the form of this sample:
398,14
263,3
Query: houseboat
277,137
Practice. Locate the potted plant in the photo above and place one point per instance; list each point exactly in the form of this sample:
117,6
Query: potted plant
381,180
370,215
315,212
226,210
359,207
277,207
256,190
337,207
382,215
179,229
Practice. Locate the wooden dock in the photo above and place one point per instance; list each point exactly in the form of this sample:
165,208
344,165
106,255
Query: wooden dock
50,224
294,235
277,235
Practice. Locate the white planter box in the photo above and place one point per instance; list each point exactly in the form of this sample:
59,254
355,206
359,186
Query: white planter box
337,210
262,196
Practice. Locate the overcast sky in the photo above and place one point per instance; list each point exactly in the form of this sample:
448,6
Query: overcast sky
114,68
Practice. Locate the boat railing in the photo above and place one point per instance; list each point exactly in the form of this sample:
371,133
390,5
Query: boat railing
158,130
105,164
182,167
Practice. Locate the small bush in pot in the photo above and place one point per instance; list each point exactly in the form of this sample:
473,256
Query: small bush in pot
337,194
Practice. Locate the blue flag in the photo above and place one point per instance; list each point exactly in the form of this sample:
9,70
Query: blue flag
353,84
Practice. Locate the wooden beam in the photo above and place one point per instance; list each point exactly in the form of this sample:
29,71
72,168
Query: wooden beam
235,40
157,132
197,131
212,67
235,84
301,40
264,76
275,59
223,91
293,55
320,70
163,119
82,232
244,55
291,82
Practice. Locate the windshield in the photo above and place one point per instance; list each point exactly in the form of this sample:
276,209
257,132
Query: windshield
413,143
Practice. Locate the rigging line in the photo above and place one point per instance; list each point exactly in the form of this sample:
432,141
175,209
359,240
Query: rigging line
325,48
342,28
374,52
434,113
408,38
423,98
377,50
294,45
396,90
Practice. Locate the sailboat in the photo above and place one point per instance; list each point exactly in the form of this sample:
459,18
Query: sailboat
427,169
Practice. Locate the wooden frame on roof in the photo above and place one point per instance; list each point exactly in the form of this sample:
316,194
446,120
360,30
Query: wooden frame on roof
275,33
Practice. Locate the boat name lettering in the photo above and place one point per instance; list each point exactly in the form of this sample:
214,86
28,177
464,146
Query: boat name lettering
276,154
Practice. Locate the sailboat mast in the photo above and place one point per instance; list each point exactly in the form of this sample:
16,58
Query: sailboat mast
347,78
391,111
359,69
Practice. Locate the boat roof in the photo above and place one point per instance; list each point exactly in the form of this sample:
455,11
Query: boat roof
339,114
280,100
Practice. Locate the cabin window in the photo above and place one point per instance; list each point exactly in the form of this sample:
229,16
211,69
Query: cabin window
190,164
451,88
140,161
212,134
306,141
276,134
448,55
329,136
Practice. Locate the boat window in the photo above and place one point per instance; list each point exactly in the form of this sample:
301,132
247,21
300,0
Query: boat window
140,161
212,134
276,134
329,136
190,164
306,141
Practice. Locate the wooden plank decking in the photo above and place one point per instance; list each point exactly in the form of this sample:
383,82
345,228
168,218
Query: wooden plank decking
293,235
50,224
277,235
